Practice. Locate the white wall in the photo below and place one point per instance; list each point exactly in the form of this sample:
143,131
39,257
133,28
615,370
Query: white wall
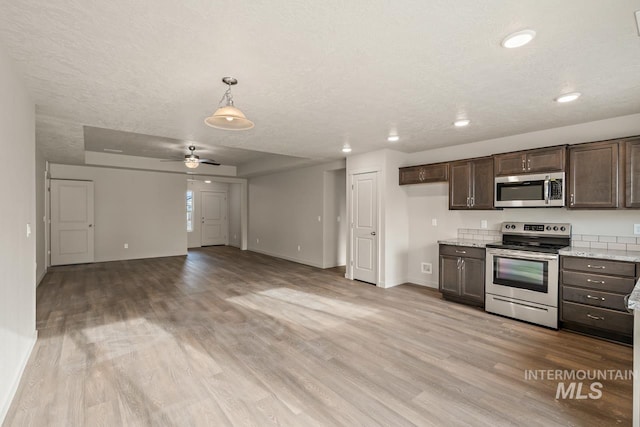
17,251
235,223
428,201
144,209
283,213
335,218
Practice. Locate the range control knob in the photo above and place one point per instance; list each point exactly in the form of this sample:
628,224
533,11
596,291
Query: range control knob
548,227
555,228
563,228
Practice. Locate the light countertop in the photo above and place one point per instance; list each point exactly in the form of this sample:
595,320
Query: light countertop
465,242
612,254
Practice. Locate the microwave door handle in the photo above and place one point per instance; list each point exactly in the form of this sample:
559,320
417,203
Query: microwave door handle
546,191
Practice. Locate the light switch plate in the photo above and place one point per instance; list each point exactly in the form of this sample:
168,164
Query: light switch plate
483,223
434,222
636,228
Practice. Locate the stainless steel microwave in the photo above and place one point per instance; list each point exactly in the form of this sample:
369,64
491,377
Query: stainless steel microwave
530,191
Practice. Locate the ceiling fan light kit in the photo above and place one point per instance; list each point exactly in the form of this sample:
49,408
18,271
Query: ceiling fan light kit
228,116
192,160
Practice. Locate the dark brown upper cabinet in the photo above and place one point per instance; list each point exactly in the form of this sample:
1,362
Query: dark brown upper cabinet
436,172
551,159
632,173
471,184
593,175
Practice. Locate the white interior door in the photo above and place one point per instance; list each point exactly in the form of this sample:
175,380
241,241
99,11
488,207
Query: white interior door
365,226
71,222
213,207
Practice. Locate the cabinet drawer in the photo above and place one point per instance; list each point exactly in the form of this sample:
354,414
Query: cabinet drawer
599,266
594,298
462,251
600,318
600,282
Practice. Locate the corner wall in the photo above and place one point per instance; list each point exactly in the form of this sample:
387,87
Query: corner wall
17,248
286,211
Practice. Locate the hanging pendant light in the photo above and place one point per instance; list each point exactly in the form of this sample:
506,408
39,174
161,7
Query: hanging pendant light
229,117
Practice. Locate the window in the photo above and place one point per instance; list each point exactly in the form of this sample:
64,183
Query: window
189,211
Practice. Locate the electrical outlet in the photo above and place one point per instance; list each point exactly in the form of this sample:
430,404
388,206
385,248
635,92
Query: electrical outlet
636,228
319,218
483,223
434,222
426,268
258,240
298,248
126,246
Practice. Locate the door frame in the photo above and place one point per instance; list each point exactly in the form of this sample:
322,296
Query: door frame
381,231
226,198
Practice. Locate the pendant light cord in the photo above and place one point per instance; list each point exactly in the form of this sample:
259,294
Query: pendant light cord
227,95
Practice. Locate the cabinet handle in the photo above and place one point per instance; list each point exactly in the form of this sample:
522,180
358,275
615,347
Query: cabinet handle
461,252
596,281
596,298
473,201
528,164
468,201
571,201
462,263
599,267
523,165
595,317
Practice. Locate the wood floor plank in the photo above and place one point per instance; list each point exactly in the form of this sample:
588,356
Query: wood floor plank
225,337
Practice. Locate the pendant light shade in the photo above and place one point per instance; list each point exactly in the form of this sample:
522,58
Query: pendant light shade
229,117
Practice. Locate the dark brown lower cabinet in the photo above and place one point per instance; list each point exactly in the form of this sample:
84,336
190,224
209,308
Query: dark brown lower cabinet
593,295
462,274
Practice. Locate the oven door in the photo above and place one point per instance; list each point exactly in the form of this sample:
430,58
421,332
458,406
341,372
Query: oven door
523,275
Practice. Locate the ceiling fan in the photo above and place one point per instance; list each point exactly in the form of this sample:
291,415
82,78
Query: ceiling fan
192,161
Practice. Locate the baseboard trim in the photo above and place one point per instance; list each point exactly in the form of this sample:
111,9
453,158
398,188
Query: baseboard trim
4,410
423,282
288,258
39,278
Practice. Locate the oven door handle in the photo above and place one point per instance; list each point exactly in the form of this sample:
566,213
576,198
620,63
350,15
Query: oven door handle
523,255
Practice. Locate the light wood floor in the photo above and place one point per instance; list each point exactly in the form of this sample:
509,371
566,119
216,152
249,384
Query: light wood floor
224,337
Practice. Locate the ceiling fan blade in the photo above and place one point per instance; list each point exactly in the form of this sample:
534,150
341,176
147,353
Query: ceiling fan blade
209,162
171,160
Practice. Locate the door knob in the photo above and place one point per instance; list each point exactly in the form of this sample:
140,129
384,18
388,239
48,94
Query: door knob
373,233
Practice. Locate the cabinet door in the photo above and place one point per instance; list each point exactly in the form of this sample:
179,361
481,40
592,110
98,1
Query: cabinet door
632,173
510,164
437,172
472,279
593,175
482,179
460,185
546,160
450,275
409,175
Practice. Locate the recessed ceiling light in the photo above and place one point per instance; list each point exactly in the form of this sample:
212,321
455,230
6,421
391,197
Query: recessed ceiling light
518,39
346,148
393,138
207,182
461,123
111,150
568,97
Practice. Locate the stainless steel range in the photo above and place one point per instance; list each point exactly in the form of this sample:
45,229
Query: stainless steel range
522,271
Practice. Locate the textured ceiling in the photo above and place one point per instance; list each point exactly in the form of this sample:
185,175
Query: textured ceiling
316,74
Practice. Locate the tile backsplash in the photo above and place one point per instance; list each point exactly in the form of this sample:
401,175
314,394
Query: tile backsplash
594,241
479,234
